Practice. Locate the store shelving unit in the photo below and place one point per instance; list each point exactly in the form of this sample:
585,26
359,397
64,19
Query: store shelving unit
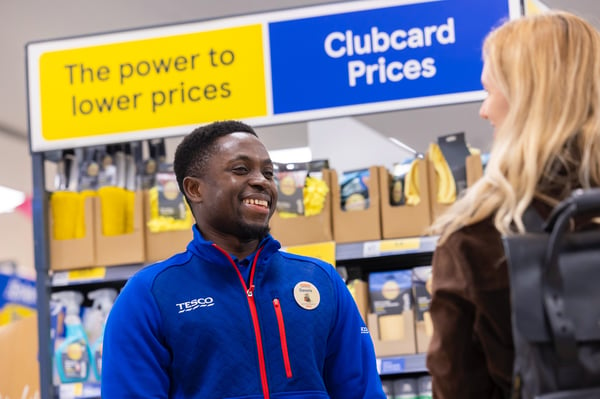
59,131
362,256
39,205
383,248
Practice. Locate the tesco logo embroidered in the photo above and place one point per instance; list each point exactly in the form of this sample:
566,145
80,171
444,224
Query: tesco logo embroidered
195,304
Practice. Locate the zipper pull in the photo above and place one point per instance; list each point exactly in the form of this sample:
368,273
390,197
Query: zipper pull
250,291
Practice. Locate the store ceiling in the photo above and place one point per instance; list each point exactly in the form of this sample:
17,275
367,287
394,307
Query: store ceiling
23,21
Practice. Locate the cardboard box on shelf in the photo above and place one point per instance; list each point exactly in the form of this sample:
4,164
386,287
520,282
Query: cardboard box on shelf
357,225
392,335
19,367
74,253
161,245
301,230
400,221
391,321
421,286
124,248
360,292
474,170
406,388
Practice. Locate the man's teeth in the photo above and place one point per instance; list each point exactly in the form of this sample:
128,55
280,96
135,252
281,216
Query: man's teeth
256,202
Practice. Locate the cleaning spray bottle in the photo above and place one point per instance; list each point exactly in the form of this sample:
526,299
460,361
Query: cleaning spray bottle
73,356
103,300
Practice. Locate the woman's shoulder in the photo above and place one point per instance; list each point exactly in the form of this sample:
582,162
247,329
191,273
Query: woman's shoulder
475,251
477,234
478,242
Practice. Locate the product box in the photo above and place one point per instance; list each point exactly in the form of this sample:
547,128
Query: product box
474,170
391,321
301,230
424,387
17,298
162,244
406,388
19,367
66,254
421,286
399,221
120,249
357,225
388,388
360,292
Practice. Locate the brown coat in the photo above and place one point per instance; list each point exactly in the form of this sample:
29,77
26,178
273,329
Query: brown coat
471,352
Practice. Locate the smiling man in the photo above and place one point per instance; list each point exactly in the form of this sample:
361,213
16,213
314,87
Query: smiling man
233,316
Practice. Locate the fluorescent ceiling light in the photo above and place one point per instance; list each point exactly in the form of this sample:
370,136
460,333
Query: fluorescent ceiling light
298,154
10,199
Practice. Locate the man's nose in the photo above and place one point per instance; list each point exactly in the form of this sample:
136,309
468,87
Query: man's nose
258,178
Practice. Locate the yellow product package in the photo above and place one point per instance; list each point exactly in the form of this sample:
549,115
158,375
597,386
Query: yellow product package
445,181
159,222
116,209
68,214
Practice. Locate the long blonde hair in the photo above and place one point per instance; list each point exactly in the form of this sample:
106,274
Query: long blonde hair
548,68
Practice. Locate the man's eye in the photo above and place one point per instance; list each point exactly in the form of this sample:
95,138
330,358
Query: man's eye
268,174
240,170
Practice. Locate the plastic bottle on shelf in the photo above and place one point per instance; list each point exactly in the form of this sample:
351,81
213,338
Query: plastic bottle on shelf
103,300
73,356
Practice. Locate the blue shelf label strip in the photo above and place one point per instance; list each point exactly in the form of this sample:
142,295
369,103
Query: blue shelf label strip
393,365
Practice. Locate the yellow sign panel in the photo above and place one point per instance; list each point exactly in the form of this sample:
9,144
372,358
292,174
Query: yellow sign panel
322,250
153,83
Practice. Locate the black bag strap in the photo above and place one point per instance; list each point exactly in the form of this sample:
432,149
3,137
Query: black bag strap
558,223
580,202
563,331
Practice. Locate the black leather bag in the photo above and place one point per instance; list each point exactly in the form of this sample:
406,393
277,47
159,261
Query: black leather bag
555,294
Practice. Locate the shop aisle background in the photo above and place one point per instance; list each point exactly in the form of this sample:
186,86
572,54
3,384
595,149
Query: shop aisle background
22,21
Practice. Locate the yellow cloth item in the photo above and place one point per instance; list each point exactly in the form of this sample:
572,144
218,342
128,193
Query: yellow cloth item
159,223
314,194
68,215
412,192
130,211
446,193
116,210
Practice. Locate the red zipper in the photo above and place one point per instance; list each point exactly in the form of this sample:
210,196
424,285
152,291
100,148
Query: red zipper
282,338
254,314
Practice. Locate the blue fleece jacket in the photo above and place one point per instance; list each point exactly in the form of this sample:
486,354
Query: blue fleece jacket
193,327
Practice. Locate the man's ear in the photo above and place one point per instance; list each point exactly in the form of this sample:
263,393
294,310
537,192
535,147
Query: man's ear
192,188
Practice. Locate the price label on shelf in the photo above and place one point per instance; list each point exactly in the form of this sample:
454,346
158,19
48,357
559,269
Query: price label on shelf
388,247
371,249
392,365
79,276
400,245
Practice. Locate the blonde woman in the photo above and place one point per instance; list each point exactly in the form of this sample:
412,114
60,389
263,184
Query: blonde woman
542,76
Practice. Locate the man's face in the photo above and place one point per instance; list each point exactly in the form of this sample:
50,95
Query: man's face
239,194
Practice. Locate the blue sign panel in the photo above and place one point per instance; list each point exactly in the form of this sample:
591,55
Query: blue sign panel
415,50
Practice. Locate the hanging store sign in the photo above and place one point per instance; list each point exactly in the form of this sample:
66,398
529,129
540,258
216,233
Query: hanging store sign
296,65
